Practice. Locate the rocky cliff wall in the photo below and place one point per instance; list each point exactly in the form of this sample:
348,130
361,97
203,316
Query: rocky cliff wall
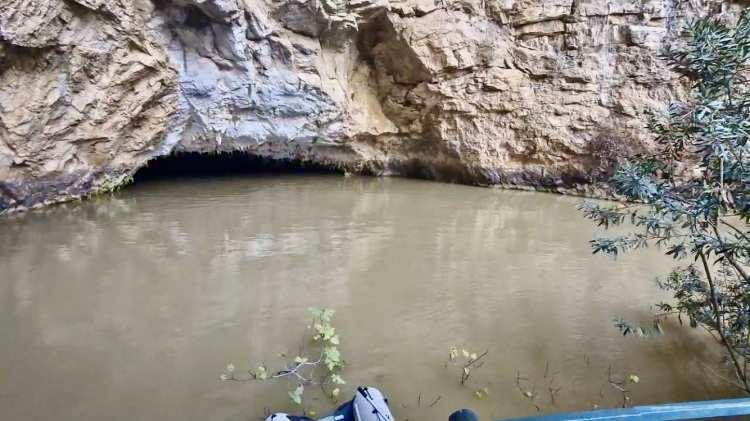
533,93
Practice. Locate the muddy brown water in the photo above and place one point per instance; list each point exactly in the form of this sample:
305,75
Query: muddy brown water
129,307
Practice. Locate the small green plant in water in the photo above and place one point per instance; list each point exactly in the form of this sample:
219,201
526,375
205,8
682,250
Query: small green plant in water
323,343
468,362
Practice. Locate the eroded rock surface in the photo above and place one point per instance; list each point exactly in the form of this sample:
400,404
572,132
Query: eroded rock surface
536,93
85,96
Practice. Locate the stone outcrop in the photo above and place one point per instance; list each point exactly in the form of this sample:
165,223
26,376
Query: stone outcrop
529,93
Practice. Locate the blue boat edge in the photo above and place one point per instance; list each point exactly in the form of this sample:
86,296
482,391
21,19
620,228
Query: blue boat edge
739,407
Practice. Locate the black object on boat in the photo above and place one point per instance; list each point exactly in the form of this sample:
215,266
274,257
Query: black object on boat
463,415
368,405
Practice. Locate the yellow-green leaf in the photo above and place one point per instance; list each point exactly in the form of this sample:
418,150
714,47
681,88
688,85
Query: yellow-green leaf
296,394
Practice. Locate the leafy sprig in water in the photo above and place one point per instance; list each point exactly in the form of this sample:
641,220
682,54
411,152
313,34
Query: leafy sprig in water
320,350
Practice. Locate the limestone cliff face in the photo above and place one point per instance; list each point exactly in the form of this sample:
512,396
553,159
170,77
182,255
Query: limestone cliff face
537,93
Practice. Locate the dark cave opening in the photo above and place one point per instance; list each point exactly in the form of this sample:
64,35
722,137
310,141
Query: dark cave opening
195,18
224,164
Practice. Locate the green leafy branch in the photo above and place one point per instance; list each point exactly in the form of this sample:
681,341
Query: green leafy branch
301,370
693,192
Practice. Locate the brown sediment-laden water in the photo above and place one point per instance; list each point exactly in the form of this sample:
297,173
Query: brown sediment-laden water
130,306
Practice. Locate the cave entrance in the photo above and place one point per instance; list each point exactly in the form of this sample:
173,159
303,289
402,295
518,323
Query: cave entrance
223,164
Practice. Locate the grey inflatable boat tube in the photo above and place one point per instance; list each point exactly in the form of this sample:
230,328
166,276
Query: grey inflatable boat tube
368,404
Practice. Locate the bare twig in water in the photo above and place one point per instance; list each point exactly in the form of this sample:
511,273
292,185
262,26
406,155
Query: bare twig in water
619,386
436,401
729,381
466,372
528,394
478,358
552,393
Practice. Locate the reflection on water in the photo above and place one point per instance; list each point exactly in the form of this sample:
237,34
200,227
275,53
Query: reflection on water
129,307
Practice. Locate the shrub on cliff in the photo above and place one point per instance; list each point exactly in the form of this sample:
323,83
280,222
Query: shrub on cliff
695,190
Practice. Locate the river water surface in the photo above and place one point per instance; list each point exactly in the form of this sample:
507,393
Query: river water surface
129,307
